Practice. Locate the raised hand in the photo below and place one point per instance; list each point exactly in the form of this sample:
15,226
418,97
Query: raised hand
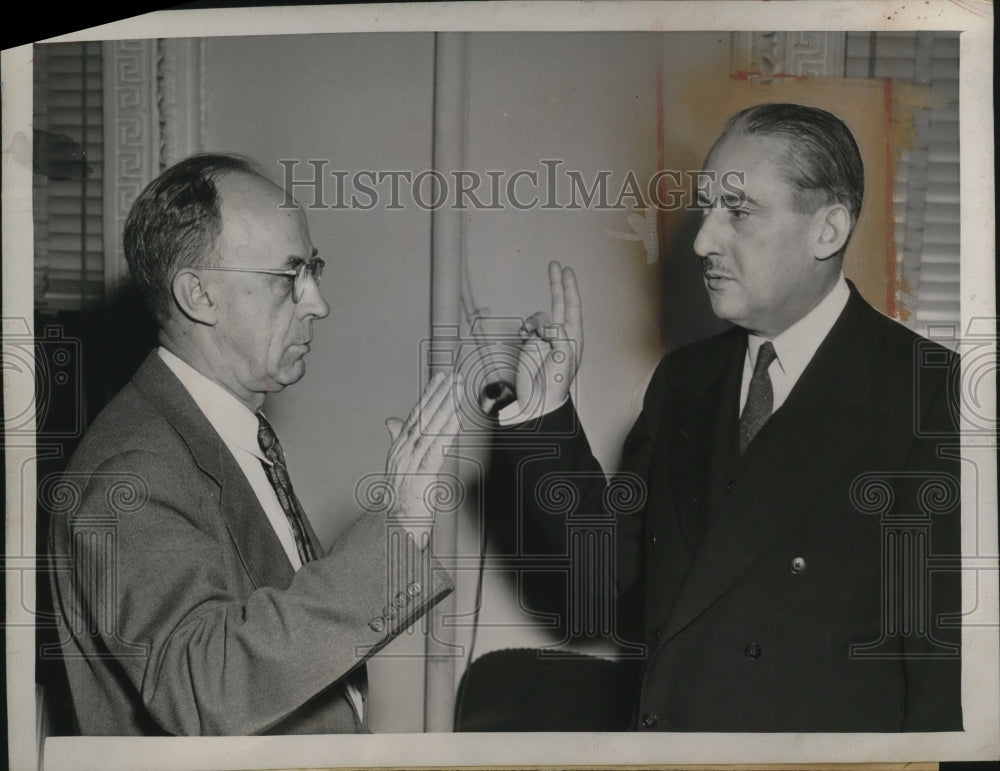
417,454
552,347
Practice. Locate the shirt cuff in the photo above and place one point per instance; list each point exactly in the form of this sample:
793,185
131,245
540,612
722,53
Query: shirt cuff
514,413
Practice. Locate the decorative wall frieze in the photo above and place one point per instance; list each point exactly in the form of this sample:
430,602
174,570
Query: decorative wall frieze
775,56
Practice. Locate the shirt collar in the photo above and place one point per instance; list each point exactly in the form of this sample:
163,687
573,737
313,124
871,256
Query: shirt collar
796,346
232,419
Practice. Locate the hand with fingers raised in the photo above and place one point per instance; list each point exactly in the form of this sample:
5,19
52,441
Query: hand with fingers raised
418,451
551,348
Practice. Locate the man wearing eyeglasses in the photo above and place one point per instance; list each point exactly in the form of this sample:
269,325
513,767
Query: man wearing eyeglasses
197,598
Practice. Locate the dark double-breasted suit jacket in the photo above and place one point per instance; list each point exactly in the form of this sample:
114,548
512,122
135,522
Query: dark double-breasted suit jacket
809,584
181,613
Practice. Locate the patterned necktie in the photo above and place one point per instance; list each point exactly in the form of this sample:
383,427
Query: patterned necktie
760,397
277,475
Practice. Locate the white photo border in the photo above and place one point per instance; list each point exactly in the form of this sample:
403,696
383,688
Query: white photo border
981,683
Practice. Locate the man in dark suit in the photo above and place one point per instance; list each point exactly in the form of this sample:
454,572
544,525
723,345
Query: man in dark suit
787,549
199,600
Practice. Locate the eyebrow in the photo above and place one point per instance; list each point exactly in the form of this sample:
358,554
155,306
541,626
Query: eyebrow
705,202
293,260
751,201
739,202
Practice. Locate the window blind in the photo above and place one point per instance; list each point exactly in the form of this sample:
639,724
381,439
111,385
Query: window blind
926,196
67,194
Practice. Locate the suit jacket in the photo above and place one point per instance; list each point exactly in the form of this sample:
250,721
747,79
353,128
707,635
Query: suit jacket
181,611
802,586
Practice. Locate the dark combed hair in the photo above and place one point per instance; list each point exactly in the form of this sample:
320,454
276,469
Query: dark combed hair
822,156
174,223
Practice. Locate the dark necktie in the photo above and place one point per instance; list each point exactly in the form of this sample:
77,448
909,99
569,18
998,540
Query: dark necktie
277,475
760,397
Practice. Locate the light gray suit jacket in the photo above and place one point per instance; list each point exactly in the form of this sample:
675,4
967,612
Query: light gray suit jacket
181,611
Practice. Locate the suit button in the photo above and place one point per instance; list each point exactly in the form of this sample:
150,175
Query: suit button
650,720
798,565
730,485
414,589
653,540
657,633
753,651
377,624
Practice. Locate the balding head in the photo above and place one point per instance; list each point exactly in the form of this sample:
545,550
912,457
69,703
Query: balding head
176,221
245,320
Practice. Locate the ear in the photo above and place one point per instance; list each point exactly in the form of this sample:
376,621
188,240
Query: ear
193,298
833,227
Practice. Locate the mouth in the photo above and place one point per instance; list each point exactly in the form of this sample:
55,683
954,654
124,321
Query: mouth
712,273
715,280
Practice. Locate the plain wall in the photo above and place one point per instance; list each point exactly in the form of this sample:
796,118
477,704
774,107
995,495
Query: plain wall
366,102
363,102
591,101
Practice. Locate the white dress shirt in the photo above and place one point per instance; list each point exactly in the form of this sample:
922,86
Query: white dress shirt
237,426
795,347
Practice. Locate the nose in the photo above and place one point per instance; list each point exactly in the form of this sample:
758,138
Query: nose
706,242
312,302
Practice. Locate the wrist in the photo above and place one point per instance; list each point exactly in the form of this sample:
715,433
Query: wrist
516,413
419,527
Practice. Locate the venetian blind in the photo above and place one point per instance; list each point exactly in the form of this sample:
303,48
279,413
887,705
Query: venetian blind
926,192
67,194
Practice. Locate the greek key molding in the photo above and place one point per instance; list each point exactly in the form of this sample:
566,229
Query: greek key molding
131,141
772,56
153,116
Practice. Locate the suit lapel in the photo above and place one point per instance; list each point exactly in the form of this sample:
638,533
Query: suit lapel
723,453
827,414
702,435
259,548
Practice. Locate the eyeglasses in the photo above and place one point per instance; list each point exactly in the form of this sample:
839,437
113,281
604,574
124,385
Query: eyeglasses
313,269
